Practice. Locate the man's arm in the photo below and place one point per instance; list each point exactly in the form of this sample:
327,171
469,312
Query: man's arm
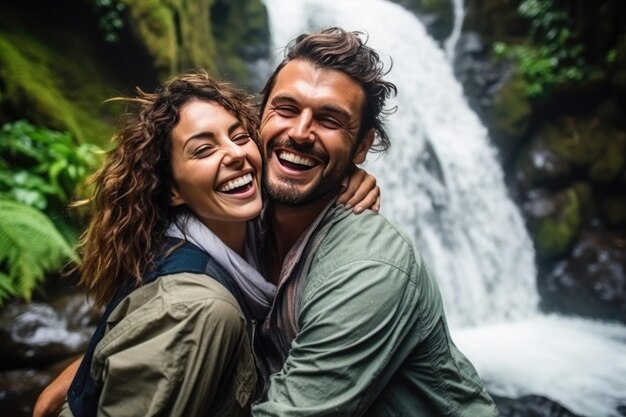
52,397
353,323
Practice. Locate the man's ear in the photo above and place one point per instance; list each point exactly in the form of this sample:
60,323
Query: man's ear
364,147
175,198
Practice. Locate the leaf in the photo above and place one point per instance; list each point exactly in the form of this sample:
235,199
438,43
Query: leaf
30,246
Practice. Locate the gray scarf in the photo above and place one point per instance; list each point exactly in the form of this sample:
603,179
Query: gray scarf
258,292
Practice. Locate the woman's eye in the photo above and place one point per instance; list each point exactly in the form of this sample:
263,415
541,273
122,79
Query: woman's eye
241,139
202,150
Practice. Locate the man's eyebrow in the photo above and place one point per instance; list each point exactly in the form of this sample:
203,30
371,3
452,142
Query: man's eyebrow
330,108
281,97
210,135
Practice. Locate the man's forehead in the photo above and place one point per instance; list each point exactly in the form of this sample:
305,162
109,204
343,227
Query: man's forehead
302,81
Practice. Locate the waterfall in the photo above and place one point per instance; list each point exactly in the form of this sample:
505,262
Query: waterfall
440,179
441,183
459,16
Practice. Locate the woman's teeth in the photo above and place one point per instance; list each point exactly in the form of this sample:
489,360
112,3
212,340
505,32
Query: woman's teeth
236,183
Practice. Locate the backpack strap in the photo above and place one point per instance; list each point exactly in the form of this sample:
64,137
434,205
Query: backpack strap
83,395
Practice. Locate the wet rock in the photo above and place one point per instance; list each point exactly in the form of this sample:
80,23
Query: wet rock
613,208
608,167
35,334
591,282
579,142
541,167
554,221
510,117
19,389
531,406
494,91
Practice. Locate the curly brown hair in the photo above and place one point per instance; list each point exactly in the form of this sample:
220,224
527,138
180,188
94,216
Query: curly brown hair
132,189
337,49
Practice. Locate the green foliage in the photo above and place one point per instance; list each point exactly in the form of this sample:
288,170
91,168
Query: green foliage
40,171
30,246
552,55
40,167
111,14
43,83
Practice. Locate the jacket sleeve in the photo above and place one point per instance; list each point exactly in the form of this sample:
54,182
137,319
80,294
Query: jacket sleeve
175,349
352,323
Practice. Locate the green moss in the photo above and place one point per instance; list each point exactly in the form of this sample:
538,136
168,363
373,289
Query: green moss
61,89
176,33
580,142
610,164
241,30
555,233
510,115
214,35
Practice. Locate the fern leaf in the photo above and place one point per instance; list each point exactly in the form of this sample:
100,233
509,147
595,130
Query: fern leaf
30,246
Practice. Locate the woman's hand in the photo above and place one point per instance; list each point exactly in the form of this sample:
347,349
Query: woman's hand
361,192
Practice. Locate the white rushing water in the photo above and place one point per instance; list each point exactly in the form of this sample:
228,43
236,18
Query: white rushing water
442,183
458,8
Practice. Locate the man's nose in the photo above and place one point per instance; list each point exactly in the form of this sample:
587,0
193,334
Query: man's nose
302,128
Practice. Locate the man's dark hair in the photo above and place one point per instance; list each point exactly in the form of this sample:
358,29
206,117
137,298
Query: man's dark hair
337,49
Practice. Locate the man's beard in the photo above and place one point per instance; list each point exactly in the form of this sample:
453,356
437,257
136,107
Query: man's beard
287,192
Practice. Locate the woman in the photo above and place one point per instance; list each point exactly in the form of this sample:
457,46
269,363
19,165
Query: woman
173,200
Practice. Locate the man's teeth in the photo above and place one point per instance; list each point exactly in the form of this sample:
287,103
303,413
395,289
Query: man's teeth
236,183
296,159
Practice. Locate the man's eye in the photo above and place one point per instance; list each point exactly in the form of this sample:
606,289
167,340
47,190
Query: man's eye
241,139
330,123
286,111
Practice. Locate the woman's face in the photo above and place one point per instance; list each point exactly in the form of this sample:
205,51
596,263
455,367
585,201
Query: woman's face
216,166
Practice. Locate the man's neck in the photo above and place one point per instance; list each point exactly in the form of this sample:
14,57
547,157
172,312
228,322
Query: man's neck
287,225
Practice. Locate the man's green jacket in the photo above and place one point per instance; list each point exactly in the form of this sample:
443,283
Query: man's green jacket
358,329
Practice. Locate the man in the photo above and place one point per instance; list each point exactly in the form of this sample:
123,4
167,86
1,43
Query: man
357,327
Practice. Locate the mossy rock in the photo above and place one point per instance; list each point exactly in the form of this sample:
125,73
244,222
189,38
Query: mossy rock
242,35
540,167
580,142
61,88
608,167
618,80
555,223
613,209
495,19
177,33
510,116
215,35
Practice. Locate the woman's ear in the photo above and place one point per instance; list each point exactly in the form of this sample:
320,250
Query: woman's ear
175,198
364,147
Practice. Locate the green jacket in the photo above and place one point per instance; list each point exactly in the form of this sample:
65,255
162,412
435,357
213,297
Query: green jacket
176,347
358,329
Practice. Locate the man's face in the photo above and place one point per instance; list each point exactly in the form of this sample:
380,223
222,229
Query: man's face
309,133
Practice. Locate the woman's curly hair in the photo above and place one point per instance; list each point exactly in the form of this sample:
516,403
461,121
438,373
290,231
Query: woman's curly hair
132,189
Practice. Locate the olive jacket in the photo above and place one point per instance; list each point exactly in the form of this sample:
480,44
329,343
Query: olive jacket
358,329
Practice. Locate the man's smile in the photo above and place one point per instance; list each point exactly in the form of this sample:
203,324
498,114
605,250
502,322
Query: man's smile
295,161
